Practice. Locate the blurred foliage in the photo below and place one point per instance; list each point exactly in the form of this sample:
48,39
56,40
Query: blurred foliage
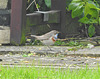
48,3
40,3
36,42
88,12
59,43
67,43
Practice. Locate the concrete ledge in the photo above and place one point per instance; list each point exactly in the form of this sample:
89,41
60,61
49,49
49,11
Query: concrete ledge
62,50
4,34
3,12
3,4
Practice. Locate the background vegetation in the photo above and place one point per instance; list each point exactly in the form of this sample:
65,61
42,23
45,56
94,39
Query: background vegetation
88,12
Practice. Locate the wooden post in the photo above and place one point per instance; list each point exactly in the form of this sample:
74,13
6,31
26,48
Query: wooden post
18,20
60,5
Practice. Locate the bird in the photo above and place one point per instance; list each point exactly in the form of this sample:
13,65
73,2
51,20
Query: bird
49,38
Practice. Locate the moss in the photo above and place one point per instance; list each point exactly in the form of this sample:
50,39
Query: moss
14,43
23,38
29,23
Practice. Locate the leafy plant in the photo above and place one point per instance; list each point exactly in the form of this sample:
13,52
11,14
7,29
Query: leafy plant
91,30
66,43
72,49
25,55
73,43
37,42
34,5
88,13
59,43
48,3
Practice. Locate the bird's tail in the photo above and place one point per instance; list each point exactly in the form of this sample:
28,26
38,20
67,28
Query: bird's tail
33,36
37,37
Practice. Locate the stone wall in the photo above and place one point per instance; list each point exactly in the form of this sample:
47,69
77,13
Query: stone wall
3,4
4,13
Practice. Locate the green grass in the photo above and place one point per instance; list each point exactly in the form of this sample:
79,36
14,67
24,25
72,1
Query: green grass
47,73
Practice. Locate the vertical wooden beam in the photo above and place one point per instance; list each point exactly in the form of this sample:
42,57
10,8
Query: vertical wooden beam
18,20
60,5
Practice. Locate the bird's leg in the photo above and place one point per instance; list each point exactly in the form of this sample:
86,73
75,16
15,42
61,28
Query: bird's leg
49,48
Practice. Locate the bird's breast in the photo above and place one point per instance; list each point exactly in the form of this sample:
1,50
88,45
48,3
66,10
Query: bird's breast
53,39
48,41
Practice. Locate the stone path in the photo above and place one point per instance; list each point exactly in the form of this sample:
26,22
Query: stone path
40,61
43,57
95,52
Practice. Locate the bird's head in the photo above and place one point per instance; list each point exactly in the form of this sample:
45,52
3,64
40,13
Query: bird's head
55,32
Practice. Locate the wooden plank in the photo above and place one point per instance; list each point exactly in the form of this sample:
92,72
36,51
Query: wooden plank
33,19
60,5
54,16
40,16
18,20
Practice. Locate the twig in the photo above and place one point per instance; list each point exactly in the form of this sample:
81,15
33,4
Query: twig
48,25
86,30
93,40
30,5
36,5
36,8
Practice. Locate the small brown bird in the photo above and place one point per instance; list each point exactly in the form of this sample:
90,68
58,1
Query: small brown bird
48,38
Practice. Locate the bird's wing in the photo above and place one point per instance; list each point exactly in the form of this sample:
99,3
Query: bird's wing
49,34
40,37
